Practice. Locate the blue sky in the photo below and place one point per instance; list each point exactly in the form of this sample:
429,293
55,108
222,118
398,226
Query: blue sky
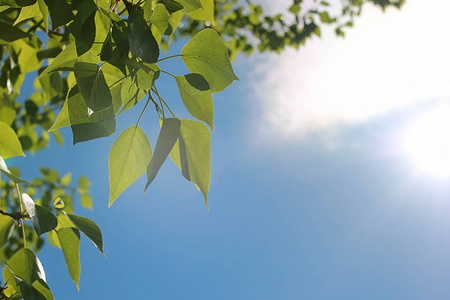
313,194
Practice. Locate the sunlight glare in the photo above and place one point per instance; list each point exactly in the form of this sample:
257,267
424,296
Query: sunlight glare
427,142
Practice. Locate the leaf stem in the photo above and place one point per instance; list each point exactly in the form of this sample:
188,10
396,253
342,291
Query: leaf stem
21,220
142,113
168,57
161,99
168,73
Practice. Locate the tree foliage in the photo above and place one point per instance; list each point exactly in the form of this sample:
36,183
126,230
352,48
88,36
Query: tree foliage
91,60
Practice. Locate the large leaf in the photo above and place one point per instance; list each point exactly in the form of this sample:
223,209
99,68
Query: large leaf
26,265
4,169
207,55
90,229
93,86
64,61
28,12
142,42
39,290
195,148
166,139
10,33
197,98
69,239
43,219
9,142
128,160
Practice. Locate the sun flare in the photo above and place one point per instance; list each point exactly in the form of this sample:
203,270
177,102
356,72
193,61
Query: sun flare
427,142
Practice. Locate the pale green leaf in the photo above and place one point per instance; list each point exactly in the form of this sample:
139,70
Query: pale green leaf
69,239
86,202
128,160
7,115
170,131
195,152
206,13
190,5
28,12
197,98
43,220
6,229
130,94
64,61
9,142
44,12
160,18
206,54
90,229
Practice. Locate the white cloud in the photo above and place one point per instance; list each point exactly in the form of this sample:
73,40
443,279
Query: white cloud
387,61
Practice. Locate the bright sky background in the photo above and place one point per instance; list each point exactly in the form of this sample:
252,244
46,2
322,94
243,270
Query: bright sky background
316,192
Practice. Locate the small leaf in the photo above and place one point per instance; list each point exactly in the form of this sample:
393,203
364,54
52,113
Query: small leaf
90,229
69,239
142,42
59,203
6,229
207,55
160,18
7,115
166,139
4,169
86,202
43,219
197,98
190,5
128,160
9,142
206,13
93,86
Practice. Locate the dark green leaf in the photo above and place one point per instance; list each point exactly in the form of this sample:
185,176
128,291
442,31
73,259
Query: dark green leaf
197,98
142,42
10,33
92,85
129,157
90,229
172,5
60,12
43,219
170,131
107,49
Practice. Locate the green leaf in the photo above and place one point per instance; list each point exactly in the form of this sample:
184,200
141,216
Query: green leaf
44,12
171,5
26,265
7,115
60,12
195,148
43,219
87,126
64,61
130,94
6,229
142,42
10,33
41,287
4,169
9,142
69,239
107,49
160,18
206,54
197,98
90,229
86,202
28,12
59,203
93,86
190,5
39,290
128,160
206,13
170,131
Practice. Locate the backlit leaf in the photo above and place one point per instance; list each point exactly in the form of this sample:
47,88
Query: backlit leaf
190,5
128,160
197,98
206,54
9,142
69,239
6,229
4,169
160,18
